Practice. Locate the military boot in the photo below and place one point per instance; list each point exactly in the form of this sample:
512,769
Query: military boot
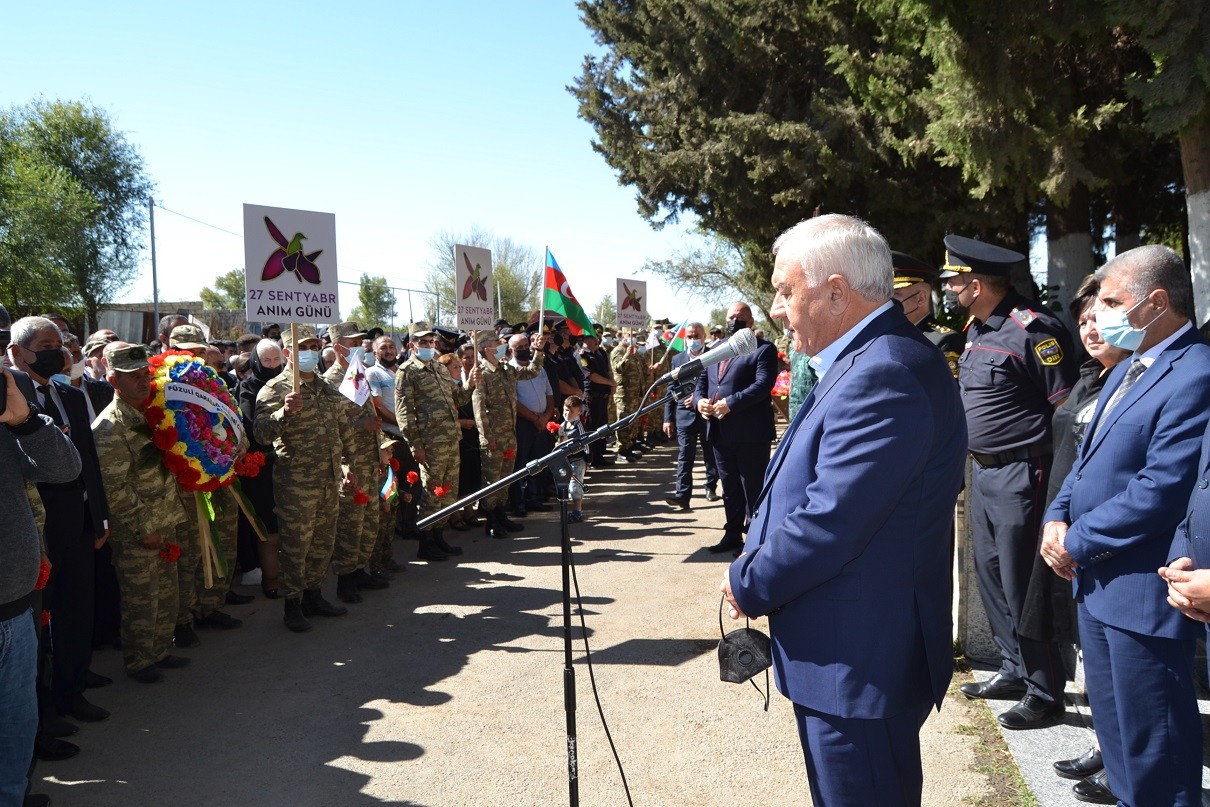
507,523
346,588
439,540
492,528
370,582
314,604
428,550
294,618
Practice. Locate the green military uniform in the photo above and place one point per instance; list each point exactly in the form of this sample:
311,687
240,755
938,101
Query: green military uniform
630,371
307,475
426,408
356,524
143,501
495,405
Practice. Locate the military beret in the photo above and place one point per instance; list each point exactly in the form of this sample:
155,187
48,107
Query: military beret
187,337
966,255
910,270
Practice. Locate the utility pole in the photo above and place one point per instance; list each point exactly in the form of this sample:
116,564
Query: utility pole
155,285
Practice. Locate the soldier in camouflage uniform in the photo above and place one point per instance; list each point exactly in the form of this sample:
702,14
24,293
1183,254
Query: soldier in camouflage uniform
144,510
356,524
309,430
426,409
495,403
629,362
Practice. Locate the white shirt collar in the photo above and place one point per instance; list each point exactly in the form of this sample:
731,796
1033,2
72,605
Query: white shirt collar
824,359
1154,352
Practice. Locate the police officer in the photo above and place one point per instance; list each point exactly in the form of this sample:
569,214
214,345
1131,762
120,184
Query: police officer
1017,367
914,291
309,430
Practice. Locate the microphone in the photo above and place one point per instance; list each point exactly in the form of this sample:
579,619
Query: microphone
741,344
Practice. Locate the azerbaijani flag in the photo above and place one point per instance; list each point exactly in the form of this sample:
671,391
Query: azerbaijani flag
558,298
676,338
390,490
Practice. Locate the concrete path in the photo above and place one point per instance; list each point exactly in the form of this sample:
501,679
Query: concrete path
446,689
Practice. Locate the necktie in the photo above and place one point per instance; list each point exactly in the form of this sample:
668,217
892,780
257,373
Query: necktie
722,367
49,406
1132,375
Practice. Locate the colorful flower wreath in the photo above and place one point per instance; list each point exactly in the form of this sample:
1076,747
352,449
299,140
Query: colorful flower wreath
194,421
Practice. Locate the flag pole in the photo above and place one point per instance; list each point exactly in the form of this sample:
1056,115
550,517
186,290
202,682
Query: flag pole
542,295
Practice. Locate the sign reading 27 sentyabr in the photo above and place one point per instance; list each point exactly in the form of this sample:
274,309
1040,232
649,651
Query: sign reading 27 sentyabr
290,265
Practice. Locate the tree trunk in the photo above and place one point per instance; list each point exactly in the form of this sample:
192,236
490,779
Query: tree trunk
1127,218
1195,161
1068,248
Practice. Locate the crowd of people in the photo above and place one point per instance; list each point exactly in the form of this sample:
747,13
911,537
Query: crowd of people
1077,500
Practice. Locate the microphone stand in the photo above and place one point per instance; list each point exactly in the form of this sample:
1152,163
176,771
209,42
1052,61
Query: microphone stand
559,464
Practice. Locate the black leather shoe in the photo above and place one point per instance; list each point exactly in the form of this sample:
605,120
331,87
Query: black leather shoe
172,662
36,800
725,545
1095,789
220,620
148,675
1081,767
997,688
93,680
80,709
711,495
677,502
1031,712
52,749
57,727
235,598
185,636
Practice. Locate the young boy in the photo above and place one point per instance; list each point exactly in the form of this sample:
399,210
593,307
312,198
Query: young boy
572,428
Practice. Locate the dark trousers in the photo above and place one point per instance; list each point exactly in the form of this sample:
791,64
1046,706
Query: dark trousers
529,443
860,763
1005,511
69,594
687,440
741,470
598,415
1145,714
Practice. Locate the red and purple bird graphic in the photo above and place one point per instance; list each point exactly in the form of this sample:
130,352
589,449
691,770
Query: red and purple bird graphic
474,283
633,300
289,257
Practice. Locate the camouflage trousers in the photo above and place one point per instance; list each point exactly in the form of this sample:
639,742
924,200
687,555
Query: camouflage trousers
626,405
148,588
496,467
194,598
384,546
357,524
307,507
442,468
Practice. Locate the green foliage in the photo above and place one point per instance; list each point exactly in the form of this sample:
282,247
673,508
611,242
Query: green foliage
606,312
228,293
375,303
516,270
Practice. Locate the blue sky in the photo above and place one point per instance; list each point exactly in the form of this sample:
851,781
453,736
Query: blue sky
402,118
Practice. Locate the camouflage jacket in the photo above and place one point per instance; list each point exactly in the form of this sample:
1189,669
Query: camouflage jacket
426,403
628,371
365,443
314,439
495,398
143,497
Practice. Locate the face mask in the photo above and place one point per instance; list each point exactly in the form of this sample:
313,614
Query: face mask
1116,329
607,341
642,349
952,306
265,373
307,360
734,326
426,353
60,378
695,345
523,355
77,370
501,352
367,358
46,362
355,353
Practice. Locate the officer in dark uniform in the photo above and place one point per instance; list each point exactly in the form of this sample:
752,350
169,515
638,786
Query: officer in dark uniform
598,389
914,281
1017,367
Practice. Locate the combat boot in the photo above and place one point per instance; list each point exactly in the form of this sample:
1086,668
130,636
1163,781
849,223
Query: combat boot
294,618
507,523
428,550
314,604
346,588
492,528
439,540
370,582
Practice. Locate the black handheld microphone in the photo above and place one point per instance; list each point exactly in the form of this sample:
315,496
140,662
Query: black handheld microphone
741,343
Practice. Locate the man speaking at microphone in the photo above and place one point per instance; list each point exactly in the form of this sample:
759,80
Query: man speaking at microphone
735,398
848,553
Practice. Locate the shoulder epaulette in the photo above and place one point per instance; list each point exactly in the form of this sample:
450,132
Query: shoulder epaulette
1023,316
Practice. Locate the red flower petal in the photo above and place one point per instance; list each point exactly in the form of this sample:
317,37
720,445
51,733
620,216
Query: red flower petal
43,576
413,477
509,453
45,618
552,427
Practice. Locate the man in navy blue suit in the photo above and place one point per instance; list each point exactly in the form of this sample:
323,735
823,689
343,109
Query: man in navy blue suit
689,426
735,397
848,553
1113,523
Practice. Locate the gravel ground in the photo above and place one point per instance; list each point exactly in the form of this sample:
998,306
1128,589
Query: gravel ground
447,688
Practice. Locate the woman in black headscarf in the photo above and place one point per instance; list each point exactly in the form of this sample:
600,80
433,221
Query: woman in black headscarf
266,362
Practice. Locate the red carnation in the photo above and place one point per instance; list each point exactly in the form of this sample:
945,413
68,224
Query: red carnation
165,439
171,553
250,464
189,477
360,497
440,491
413,477
395,464
155,416
43,575
552,427
45,618
509,453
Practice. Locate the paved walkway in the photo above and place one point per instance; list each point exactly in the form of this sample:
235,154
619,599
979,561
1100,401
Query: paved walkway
446,689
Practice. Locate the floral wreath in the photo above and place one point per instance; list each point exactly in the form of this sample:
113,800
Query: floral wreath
194,421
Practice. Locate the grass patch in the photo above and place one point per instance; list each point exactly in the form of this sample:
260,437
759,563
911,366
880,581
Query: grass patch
992,757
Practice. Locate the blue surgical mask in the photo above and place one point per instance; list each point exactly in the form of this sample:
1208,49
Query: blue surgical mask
642,349
426,353
695,345
1115,327
356,353
368,358
501,352
308,360
607,341
60,378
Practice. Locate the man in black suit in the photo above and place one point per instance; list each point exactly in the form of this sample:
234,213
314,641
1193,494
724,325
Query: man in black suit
735,398
77,515
689,425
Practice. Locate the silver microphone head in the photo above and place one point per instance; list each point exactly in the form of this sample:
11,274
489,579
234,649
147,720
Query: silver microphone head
743,341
